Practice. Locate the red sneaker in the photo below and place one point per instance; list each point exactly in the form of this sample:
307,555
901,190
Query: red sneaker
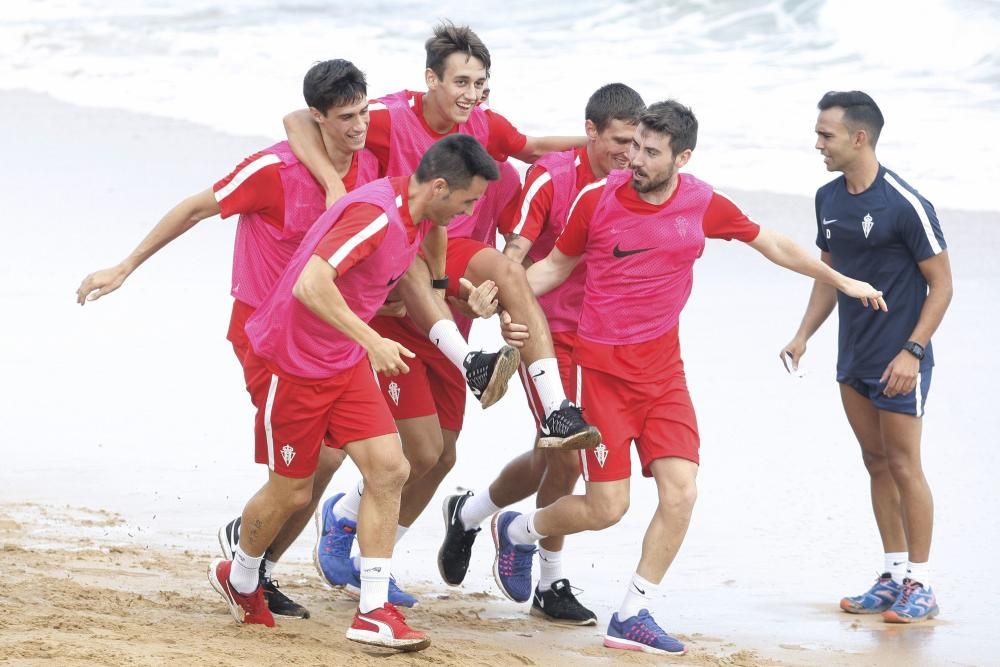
386,627
250,609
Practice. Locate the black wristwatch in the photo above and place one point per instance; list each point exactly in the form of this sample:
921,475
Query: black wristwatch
439,283
914,348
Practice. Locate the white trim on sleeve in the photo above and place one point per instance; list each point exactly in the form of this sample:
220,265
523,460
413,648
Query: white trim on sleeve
359,238
244,173
921,212
522,215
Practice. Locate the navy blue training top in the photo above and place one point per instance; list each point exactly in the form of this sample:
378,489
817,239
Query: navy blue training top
878,236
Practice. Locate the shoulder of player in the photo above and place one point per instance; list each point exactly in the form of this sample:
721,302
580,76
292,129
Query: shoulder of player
904,198
589,195
262,165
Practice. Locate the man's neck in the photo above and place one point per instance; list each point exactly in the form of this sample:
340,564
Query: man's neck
341,160
658,197
595,168
416,197
860,175
435,119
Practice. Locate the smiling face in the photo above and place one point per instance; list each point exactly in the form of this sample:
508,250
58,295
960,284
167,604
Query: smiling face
454,94
346,126
609,148
654,165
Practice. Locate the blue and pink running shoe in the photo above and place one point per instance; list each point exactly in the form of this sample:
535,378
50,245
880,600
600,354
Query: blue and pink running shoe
877,599
512,565
914,604
641,633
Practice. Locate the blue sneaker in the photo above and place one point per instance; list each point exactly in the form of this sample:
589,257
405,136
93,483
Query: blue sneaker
512,565
334,539
641,633
877,599
915,604
397,596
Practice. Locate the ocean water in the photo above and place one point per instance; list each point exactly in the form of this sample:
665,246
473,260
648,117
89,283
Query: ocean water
752,69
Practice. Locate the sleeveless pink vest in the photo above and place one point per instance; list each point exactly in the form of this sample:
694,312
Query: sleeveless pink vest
640,266
286,333
262,250
409,140
562,305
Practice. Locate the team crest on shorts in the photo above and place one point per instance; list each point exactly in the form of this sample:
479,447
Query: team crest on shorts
601,454
288,453
867,223
394,392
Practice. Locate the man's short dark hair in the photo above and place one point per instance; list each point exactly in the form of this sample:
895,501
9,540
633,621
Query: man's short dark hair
449,38
860,110
614,101
333,83
458,158
674,119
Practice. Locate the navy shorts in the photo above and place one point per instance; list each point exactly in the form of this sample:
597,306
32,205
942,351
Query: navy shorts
908,404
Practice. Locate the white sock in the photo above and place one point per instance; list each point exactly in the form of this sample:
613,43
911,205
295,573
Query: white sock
448,338
348,506
550,564
639,596
374,583
522,529
919,572
895,565
476,509
269,566
244,576
400,531
548,384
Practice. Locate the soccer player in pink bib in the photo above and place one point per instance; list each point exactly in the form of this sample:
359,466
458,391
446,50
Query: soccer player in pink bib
309,371
641,231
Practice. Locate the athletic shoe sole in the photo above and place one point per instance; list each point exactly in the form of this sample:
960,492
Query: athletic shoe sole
508,361
892,617
568,622
848,606
370,638
234,609
349,590
587,439
628,645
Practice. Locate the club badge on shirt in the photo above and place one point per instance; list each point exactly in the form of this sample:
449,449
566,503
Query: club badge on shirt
867,223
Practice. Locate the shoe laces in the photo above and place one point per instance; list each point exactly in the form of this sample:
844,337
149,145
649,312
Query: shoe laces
394,612
909,588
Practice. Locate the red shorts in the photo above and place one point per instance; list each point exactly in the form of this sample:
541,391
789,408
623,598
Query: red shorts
658,416
433,386
563,342
460,253
237,334
296,417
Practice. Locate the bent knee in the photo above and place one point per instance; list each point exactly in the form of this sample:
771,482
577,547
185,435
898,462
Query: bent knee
604,515
680,499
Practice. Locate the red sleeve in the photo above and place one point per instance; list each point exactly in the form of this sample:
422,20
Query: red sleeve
253,187
725,220
533,206
379,132
504,139
353,238
573,240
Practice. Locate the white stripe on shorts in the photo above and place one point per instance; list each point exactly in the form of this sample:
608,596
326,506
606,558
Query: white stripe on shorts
919,395
579,396
271,391
526,379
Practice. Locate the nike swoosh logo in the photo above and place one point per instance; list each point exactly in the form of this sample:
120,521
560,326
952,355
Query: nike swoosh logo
618,252
392,280
638,589
827,222
894,563
539,374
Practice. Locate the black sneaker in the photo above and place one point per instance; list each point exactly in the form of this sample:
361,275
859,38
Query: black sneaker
229,537
456,549
559,605
487,373
279,603
565,429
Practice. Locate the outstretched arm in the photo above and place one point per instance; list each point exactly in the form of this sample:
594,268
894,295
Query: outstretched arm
821,303
551,272
307,144
536,147
787,253
178,220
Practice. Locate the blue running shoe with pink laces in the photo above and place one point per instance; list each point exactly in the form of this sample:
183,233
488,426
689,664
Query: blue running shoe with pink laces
334,539
876,599
914,604
641,633
512,565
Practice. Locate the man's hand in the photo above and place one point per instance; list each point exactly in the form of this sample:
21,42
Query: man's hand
859,289
392,309
900,376
792,353
515,334
99,283
386,355
481,301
